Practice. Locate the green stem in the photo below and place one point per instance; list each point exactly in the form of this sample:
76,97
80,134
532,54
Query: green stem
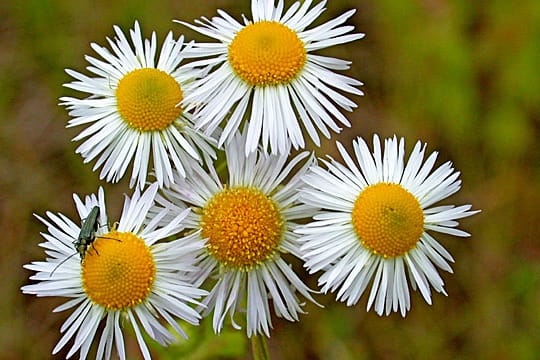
259,347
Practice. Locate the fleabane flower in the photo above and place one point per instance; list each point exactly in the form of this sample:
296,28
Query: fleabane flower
248,225
375,224
132,112
263,75
125,275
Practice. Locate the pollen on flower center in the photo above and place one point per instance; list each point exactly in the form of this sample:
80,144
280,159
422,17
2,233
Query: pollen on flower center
267,53
243,227
147,99
118,270
388,219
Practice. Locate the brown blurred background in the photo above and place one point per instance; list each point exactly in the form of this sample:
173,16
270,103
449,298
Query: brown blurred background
462,76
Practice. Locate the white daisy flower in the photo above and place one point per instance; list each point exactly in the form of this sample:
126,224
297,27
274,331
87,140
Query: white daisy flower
374,224
269,63
124,275
133,111
248,225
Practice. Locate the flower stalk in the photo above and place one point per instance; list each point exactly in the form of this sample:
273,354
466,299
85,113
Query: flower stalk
259,347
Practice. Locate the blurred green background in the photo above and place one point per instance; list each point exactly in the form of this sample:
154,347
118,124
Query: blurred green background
463,76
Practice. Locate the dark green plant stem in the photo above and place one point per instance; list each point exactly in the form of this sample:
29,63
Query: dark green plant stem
259,347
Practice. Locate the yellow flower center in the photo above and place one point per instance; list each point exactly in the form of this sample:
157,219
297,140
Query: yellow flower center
147,99
388,219
243,227
267,53
118,270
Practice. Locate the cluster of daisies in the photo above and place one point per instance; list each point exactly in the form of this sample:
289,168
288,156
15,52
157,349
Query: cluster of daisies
218,202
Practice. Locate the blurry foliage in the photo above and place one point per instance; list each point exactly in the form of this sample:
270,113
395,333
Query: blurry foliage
204,345
460,75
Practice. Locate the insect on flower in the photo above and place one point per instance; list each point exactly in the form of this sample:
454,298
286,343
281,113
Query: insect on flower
86,237
88,232
143,279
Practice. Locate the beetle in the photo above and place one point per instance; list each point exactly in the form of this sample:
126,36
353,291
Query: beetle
88,232
86,237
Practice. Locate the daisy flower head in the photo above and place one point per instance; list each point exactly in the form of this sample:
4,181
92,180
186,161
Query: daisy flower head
132,111
248,224
125,275
263,75
375,223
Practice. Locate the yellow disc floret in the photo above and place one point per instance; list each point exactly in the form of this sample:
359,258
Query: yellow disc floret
243,226
148,99
388,219
118,270
267,53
